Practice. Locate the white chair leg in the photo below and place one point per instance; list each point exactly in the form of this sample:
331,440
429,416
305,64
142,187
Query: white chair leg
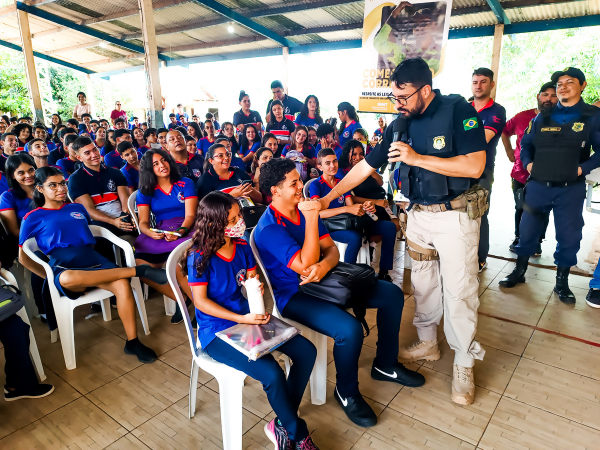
170,306
231,393
364,256
106,312
193,389
139,300
342,249
53,336
64,318
407,260
145,287
318,377
117,252
33,348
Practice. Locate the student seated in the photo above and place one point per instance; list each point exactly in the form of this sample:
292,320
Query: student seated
328,164
113,159
209,138
62,233
190,144
131,169
220,176
191,166
217,263
69,164
262,155
173,201
249,144
235,160
293,243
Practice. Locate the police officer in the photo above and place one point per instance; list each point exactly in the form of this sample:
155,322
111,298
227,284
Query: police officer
555,150
444,153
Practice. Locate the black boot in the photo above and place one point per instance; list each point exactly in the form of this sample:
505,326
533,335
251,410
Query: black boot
562,286
516,276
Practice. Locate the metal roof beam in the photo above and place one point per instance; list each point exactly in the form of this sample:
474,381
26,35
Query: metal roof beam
75,47
516,4
242,20
498,11
326,29
82,28
132,12
47,57
114,60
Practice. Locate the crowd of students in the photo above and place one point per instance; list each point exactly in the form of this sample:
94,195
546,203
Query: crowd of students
195,180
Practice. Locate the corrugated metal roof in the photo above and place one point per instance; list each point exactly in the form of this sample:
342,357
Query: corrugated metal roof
183,23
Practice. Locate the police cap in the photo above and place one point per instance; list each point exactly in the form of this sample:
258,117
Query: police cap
570,71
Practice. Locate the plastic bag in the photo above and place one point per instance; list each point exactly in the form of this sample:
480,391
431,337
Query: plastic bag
255,341
301,164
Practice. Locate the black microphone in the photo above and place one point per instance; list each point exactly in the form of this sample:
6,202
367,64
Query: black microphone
400,134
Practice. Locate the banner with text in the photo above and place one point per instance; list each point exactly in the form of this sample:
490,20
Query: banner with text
393,32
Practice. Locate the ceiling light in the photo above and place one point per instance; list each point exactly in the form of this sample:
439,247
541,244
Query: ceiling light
230,28
103,44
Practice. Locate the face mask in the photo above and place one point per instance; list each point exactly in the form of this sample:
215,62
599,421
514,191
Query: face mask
237,230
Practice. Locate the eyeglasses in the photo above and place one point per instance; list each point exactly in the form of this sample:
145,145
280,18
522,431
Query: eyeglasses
55,186
222,156
402,100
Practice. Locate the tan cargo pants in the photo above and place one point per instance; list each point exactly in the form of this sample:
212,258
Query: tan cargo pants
447,286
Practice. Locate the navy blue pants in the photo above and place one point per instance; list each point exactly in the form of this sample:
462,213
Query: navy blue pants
14,335
486,180
353,238
330,320
284,395
566,202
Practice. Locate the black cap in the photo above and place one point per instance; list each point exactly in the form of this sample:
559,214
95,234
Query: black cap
571,71
324,129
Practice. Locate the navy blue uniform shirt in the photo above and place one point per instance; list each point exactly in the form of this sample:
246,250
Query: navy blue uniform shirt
291,107
563,114
493,117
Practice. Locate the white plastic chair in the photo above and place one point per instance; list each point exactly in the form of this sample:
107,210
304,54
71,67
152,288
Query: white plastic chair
170,305
8,278
318,377
64,306
231,381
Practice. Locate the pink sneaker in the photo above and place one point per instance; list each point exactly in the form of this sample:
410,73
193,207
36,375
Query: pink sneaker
306,444
278,436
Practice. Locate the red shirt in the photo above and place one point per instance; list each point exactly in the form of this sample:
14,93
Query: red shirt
114,115
517,126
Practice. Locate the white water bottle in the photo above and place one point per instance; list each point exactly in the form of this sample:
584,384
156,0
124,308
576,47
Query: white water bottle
255,298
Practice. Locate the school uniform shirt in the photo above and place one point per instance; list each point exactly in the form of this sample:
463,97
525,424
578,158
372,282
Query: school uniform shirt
192,168
167,205
113,159
379,132
309,152
210,181
337,149
240,118
3,183
21,206
132,175
246,151
204,144
320,188
279,241
291,107
348,132
3,158
57,228
185,115
66,166
55,155
493,117
282,130
308,122
101,186
223,280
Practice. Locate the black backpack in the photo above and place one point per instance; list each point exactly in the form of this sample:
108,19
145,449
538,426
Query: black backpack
10,301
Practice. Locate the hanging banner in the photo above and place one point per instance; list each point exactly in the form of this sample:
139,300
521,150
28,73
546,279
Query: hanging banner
393,32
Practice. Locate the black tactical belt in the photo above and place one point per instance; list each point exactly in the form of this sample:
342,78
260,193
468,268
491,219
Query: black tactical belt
559,183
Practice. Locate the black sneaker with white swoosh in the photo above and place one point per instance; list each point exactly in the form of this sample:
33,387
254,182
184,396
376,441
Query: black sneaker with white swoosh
357,409
398,374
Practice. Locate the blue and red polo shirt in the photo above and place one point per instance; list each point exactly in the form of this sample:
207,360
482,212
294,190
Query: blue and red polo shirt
493,117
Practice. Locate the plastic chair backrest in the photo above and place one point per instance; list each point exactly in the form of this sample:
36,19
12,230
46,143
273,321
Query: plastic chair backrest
264,271
171,268
30,247
305,191
131,207
4,226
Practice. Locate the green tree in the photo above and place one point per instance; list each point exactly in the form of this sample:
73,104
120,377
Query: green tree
65,84
14,93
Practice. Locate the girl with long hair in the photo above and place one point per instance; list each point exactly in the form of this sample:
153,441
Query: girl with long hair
218,263
249,144
245,115
348,122
56,122
24,133
269,140
138,140
310,114
300,144
195,131
279,125
262,156
62,233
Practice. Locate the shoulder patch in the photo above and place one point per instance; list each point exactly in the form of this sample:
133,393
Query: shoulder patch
471,123
529,127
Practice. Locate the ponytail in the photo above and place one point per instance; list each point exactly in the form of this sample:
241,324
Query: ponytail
41,175
242,95
351,111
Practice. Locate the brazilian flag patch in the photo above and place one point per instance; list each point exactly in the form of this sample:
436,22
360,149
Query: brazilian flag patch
471,123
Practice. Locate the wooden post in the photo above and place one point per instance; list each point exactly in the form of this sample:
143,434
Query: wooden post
151,63
497,50
286,57
30,72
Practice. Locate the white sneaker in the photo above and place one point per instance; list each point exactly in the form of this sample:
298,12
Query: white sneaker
463,385
427,350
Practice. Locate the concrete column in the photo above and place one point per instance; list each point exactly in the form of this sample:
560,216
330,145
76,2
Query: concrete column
497,50
151,63
286,57
30,72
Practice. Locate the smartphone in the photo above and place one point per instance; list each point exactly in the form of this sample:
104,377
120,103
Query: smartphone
165,232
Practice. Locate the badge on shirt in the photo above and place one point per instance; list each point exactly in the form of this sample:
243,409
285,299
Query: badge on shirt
240,276
77,215
180,197
196,173
439,142
346,134
471,123
578,126
111,185
550,129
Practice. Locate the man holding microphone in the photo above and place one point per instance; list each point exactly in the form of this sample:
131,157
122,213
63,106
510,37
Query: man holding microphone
442,153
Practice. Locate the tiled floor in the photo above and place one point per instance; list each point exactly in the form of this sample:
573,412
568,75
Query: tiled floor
535,390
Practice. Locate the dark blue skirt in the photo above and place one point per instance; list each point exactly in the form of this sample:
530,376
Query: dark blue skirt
76,258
